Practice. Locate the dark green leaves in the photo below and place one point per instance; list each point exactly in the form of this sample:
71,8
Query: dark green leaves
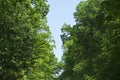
91,46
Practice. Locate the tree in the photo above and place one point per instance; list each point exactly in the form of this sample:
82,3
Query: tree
91,46
25,41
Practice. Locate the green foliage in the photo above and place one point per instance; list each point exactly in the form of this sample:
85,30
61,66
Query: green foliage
25,50
91,46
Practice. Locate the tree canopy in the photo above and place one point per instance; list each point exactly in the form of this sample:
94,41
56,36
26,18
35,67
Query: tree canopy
91,46
26,42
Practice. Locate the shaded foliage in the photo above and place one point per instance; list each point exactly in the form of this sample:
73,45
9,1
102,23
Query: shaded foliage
91,46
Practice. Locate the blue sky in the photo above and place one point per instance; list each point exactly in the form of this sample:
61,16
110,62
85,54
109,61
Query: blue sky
61,11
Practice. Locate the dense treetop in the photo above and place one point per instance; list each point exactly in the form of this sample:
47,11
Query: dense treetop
91,46
25,50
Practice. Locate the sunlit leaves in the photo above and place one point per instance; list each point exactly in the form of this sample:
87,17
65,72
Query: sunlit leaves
25,38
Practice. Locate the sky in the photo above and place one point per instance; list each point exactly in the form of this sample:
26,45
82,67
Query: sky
61,11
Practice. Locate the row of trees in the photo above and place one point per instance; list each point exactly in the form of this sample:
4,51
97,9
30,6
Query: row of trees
25,41
92,45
